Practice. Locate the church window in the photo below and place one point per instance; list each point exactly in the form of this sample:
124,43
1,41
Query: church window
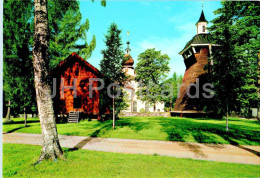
147,105
134,106
203,28
77,102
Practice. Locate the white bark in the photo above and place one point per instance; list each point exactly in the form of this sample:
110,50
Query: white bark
8,111
51,148
114,118
25,118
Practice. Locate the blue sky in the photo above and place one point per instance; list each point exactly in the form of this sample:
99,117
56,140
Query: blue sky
164,25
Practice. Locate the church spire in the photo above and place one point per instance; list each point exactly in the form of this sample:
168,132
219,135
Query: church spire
202,24
202,17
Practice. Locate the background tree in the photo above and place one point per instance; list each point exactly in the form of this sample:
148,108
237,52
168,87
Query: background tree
111,64
171,87
18,70
151,70
236,31
67,33
51,148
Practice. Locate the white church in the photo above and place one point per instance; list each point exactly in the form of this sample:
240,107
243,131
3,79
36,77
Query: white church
131,87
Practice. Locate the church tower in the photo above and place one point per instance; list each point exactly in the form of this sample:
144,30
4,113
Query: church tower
128,67
196,52
202,24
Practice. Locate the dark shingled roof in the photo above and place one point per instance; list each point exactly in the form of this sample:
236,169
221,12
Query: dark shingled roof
199,39
202,18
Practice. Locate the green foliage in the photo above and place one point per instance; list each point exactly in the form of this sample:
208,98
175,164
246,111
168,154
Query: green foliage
234,73
111,68
151,71
17,69
171,87
142,110
113,55
67,34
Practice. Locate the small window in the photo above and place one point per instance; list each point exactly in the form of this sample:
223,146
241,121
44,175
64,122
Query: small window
203,28
147,105
77,72
134,106
77,102
197,49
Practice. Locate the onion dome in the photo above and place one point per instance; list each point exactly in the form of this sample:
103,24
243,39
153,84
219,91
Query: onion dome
128,60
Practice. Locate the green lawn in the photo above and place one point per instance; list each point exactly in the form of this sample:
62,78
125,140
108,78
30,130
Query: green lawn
18,161
242,131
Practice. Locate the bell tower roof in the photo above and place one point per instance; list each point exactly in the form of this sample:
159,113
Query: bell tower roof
202,18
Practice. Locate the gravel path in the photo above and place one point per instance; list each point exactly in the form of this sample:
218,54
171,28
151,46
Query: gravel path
213,152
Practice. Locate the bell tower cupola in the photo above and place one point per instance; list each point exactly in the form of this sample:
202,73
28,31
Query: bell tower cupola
127,50
202,24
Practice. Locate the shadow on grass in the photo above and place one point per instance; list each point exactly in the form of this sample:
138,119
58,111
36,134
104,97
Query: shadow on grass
15,129
107,126
94,134
134,125
179,129
234,143
20,122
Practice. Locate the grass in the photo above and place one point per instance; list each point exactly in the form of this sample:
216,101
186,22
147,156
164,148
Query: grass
18,160
201,130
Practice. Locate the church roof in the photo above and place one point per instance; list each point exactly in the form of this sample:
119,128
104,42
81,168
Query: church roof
198,39
69,61
202,18
129,60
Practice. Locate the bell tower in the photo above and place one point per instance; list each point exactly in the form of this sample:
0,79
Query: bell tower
196,52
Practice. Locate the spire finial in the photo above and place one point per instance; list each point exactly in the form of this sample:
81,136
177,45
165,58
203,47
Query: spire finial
128,48
202,4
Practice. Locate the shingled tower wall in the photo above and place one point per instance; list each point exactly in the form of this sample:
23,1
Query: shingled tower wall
195,54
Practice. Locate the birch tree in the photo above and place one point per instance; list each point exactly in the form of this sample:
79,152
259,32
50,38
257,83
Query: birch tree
51,148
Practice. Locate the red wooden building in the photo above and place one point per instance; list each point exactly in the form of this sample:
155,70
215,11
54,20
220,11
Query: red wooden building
72,87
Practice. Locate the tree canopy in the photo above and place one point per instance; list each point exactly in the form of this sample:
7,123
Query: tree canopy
66,34
234,72
151,71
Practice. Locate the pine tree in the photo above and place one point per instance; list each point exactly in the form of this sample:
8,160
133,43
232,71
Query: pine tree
18,70
67,34
236,31
111,64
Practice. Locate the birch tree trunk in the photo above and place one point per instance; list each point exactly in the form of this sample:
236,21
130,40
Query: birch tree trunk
114,119
258,88
227,120
8,111
25,117
51,148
